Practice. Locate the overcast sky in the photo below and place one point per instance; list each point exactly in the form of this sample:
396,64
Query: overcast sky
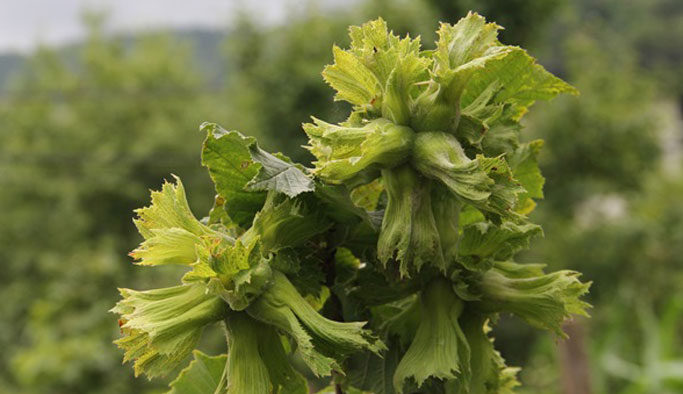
25,23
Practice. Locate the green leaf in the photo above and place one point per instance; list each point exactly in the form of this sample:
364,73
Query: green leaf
542,300
278,173
227,156
304,267
372,373
521,83
205,374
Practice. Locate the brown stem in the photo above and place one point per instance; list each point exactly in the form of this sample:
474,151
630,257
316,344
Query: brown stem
574,361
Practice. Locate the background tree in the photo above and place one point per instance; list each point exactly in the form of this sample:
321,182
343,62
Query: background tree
81,144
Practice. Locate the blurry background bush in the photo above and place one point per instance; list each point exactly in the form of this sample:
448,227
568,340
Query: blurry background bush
86,129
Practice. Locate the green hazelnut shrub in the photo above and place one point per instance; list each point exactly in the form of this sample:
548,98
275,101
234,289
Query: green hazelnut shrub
381,269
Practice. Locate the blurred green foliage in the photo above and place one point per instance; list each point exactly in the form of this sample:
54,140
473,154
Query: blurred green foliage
82,139
605,140
611,209
524,21
80,147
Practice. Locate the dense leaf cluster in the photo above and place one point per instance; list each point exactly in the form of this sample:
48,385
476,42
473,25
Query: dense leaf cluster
384,265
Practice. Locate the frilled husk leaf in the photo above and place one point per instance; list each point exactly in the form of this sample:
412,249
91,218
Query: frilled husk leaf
257,362
440,348
235,272
319,339
162,326
286,222
409,231
205,374
439,156
484,242
490,375
446,210
171,231
542,300
345,152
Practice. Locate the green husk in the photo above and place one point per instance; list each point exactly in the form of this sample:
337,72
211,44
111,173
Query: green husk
409,231
162,326
317,337
440,349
